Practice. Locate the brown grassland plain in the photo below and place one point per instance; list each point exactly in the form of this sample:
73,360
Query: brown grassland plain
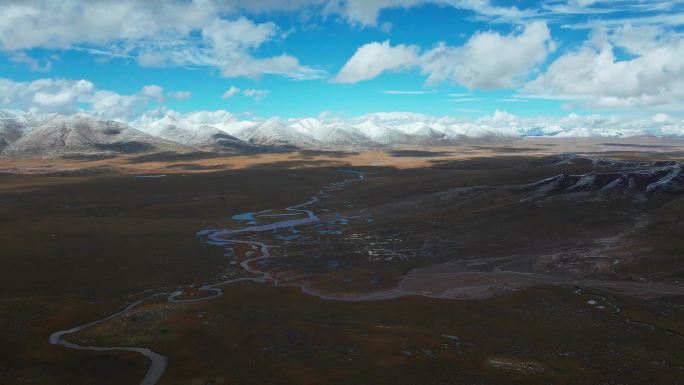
82,237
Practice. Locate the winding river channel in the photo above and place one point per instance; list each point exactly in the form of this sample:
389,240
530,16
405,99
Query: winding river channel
469,284
298,215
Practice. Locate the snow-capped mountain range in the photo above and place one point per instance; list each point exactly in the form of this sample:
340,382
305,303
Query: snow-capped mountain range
78,134
23,134
26,134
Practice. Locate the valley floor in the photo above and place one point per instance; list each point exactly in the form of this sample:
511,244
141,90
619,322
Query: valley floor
454,265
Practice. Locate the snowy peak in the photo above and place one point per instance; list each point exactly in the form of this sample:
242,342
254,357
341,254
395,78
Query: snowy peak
197,136
14,125
274,133
335,134
382,134
10,132
82,134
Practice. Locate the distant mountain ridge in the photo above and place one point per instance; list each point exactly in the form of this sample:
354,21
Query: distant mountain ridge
80,134
223,132
25,135
618,180
204,137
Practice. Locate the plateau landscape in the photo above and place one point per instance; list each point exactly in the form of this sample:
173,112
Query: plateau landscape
447,192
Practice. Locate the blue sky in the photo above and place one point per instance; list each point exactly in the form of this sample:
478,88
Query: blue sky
301,58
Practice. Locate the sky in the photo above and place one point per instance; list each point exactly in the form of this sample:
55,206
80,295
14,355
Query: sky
473,59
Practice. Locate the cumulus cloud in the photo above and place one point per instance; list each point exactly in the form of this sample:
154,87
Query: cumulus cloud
67,22
238,34
62,24
257,95
73,96
372,59
51,95
113,106
179,95
232,91
490,60
153,33
153,91
593,75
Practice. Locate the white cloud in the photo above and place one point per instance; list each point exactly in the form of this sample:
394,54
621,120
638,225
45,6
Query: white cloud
153,91
372,59
502,123
179,95
637,65
405,92
635,39
220,119
283,65
81,96
73,96
490,60
231,40
62,24
232,91
28,24
367,12
52,95
227,35
660,118
33,64
153,33
113,106
499,123
583,3
592,14
592,74
226,45
257,95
